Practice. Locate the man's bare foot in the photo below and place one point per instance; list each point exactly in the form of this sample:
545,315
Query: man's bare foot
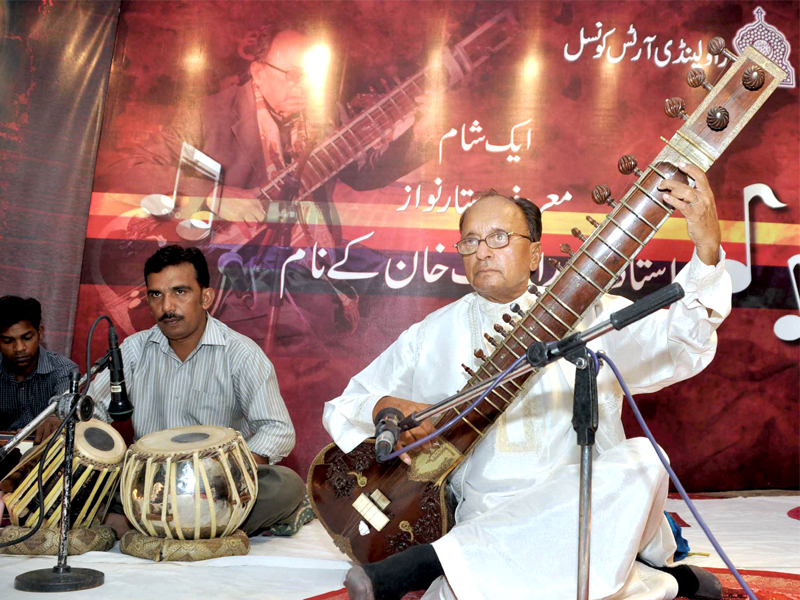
358,584
118,523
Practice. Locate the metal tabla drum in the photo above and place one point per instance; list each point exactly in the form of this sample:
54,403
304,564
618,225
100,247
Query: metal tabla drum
96,465
189,483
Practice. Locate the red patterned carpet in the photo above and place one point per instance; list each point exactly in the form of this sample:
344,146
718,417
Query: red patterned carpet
767,585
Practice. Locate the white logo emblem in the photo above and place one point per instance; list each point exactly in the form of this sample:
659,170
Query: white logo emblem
769,41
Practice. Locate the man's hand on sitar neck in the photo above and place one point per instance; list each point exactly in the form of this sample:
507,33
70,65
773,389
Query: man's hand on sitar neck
407,437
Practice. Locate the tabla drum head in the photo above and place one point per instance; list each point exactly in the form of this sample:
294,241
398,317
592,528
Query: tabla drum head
182,440
99,442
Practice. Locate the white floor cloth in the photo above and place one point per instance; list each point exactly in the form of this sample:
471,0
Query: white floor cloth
756,533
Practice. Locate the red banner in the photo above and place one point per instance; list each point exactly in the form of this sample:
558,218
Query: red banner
409,110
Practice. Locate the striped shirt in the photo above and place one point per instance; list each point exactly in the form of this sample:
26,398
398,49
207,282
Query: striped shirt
21,401
226,381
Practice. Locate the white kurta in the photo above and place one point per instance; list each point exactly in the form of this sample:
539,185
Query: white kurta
516,520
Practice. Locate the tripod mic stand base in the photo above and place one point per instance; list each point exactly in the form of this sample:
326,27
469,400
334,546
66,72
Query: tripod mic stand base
51,580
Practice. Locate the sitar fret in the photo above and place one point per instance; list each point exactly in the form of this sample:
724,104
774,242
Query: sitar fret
542,325
552,314
626,232
598,263
478,431
562,303
643,219
585,277
653,198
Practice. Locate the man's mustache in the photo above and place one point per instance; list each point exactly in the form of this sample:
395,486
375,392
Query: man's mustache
170,315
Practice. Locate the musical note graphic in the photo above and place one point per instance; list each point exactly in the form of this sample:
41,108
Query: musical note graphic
787,328
742,275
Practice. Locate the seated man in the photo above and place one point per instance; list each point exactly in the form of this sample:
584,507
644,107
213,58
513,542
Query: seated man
517,490
190,369
30,374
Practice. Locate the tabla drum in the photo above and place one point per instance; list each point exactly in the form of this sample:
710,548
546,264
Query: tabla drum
96,465
189,483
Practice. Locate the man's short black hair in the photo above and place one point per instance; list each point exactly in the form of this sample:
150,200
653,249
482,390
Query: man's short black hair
14,309
170,256
533,216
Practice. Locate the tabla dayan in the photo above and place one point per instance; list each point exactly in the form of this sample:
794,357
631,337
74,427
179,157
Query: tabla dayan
189,483
96,464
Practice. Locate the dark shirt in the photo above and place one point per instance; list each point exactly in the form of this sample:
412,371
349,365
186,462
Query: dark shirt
21,401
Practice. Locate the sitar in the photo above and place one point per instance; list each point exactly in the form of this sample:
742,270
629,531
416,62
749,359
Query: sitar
373,510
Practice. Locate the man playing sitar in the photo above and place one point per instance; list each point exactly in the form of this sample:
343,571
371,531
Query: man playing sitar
516,491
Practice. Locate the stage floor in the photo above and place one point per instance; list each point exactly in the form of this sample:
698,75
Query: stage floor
758,533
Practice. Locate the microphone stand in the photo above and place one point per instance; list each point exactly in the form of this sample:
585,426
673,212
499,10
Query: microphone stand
584,409
70,407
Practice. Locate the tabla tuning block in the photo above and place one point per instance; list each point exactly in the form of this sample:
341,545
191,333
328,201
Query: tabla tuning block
601,194
628,165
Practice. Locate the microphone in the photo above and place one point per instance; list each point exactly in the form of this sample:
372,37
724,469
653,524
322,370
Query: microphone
387,431
120,408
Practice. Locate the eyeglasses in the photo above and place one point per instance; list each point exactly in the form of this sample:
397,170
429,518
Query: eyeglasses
294,74
498,239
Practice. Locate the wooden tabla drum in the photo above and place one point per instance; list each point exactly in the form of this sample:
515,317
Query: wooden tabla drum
96,465
189,483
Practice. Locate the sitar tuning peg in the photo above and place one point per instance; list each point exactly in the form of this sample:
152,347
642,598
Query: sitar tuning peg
507,318
577,233
716,46
531,290
479,354
515,308
593,223
555,264
628,164
675,107
566,249
601,194
469,371
490,339
718,118
696,78
499,329
753,78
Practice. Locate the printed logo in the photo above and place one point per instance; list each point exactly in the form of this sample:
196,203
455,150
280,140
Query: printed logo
769,41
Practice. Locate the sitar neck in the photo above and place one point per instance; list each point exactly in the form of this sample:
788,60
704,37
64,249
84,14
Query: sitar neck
594,268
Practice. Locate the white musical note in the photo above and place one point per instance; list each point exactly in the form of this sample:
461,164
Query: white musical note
787,328
742,275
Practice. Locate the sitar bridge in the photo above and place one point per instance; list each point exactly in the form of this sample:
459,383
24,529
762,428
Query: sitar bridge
371,508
